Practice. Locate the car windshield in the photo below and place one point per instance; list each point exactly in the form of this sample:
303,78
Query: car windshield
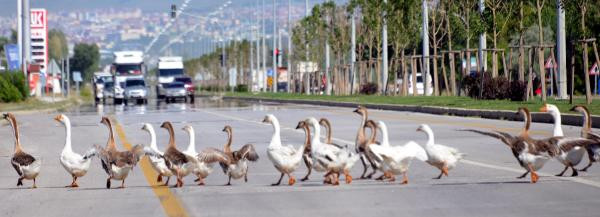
170,72
129,69
419,79
109,84
184,80
175,85
135,82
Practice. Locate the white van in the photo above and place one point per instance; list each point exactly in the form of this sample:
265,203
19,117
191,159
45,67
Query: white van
420,84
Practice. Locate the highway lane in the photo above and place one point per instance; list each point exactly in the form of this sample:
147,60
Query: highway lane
484,184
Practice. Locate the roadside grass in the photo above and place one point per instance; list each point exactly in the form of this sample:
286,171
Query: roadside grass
441,101
33,104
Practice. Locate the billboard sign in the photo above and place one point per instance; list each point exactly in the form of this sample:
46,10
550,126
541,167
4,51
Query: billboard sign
12,56
39,37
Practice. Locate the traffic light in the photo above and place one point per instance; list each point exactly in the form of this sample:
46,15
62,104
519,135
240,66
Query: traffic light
173,11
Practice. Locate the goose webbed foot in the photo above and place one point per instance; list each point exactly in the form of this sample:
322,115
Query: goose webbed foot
122,184
108,183
586,167
159,179
167,182
20,182
524,175
278,182
563,172
440,176
404,179
228,182
575,173
197,180
292,180
34,185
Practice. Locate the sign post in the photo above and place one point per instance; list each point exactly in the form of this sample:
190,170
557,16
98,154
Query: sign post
550,65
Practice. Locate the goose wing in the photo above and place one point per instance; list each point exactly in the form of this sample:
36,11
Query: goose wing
568,143
414,149
248,152
104,157
175,157
21,159
90,153
593,136
212,155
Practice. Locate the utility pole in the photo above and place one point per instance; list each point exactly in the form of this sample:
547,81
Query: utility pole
306,67
274,46
258,48
384,59
482,42
20,35
289,53
353,53
561,44
264,52
425,73
26,36
327,77
251,59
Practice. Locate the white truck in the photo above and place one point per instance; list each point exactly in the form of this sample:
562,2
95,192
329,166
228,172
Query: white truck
127,65
169,68
99,82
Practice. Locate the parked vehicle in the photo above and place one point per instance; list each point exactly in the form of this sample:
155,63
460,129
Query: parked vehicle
126,65
135,89
174,91
109,91
190,88
169,68
420,86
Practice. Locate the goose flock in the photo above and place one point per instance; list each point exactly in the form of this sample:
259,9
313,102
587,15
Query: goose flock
332,160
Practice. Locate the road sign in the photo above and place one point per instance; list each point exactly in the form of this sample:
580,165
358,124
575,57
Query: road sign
594,70
12,56
549,64
77,76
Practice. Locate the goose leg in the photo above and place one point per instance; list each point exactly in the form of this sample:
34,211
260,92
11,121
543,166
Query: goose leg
122,183
337,178
308,166
575,173
404,178
348,177
278,182
445,170
34,185
524,175
586,167
108,182
167,182
392,178
563,171
362,160
292,180
440,176
20,182
228,182
534,176
246,176
74,184
373,167
200,181
159,178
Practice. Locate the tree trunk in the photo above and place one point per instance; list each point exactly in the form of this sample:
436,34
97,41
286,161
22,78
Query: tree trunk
414,74
451,56
541,49
588,92
404,75
445,76
495,38
521,44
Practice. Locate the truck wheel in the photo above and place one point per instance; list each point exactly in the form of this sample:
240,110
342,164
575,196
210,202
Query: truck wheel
125,101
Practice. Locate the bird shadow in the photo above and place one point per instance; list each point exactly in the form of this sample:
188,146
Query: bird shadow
485,183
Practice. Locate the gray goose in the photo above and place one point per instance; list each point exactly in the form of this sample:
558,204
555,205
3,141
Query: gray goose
361,144
27,166
306,156
531,153
117,164
586,132
176,161
233,163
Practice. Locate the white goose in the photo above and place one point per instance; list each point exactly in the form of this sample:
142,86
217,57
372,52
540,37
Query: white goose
327,158
440,156
76,164
201,168
158,162
396,159
568,158
286,159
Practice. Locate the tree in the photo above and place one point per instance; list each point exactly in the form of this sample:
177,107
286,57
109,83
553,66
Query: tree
86,58
403,18
471,25
497,15
57,44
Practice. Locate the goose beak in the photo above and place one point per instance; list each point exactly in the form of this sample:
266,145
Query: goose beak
5,116
224,129
58,118
356,111
266,120
163,125
419,129
573,109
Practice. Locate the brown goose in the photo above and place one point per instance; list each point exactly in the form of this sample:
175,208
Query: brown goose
361,144
531,153
586,132
177,162
117,164
27,166
306,156
233,163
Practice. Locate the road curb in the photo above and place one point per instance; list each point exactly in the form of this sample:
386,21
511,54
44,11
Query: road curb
537,117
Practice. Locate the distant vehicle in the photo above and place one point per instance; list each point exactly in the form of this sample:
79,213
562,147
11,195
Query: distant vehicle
174,91
420,86
109,91
190,88
169,68
126,65
98,81
135,89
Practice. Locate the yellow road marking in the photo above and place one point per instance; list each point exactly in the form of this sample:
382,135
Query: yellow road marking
170,203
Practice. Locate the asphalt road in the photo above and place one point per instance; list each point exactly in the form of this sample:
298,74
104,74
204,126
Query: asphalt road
483,184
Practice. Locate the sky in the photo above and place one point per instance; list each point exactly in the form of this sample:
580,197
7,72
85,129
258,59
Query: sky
9,6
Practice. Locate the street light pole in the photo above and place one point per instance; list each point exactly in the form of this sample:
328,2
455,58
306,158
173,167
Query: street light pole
264,49
306,67
384,60
561,44
274,47
353,53
425,72
482,42
289,53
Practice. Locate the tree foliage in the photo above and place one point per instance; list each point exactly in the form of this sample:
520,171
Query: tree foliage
86,58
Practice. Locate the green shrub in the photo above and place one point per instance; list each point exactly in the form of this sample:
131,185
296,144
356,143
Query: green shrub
369,88
8,92
17,79
241,88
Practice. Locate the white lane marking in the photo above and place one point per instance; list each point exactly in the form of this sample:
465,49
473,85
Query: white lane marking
470,162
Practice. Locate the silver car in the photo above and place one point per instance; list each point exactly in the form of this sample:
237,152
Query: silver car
135,89
174,91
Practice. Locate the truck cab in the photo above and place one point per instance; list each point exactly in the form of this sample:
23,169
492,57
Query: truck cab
126,65
169,68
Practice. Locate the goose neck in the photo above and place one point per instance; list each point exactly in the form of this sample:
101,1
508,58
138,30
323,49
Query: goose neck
557,124
276,138
430,139
67,124
15,126
384,136
192,145
316,137
153,145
